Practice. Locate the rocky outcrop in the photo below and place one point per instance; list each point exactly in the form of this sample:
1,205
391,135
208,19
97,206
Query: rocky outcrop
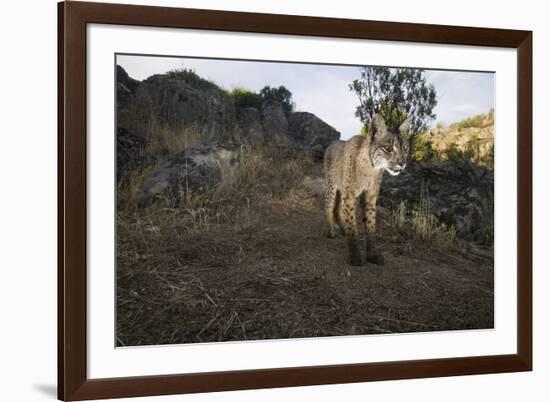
126,87
182,104
197,169
457,193
188,102
250,123
302,131
130,152
274,123
184,101
311,133
474,136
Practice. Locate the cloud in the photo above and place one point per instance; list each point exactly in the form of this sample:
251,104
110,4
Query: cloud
462,94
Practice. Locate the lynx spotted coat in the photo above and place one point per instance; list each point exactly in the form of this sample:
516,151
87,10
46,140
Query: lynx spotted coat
353,174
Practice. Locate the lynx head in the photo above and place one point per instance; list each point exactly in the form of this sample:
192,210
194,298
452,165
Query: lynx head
389,148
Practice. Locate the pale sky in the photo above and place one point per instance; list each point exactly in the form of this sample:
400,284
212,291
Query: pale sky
323,89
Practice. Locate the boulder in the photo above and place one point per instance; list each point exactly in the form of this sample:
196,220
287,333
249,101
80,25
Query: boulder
126,87
183,104
250,123
299,130
457,193
123,78
197,169
130,152
312,133
274,123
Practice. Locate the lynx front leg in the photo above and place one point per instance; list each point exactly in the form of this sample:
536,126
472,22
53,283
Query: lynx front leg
369,219
348,219
330,209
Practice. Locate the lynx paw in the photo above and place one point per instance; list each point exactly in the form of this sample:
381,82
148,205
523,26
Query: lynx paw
330,233
355,261
354,253
377,259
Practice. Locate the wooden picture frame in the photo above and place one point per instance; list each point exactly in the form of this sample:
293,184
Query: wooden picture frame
73,383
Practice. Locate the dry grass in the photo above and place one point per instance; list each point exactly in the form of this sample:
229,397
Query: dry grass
262,182
128,190
274,281
419,223
478,121
248,261
161,138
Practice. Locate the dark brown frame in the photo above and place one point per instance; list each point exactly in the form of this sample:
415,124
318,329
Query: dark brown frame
73,383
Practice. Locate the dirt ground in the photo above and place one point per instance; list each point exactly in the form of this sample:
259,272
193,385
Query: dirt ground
278,277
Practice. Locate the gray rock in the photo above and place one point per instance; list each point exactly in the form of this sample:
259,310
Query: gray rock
188,102
458,193
197,169
130,152
126,87
123,78
251,125
299,130
312,133
275,123
178,103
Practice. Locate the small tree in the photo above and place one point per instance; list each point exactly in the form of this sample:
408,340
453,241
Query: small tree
395,93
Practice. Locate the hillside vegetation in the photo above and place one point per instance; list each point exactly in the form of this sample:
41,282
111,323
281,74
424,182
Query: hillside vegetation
471,139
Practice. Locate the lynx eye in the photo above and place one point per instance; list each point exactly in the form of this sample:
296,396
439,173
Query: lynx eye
388,148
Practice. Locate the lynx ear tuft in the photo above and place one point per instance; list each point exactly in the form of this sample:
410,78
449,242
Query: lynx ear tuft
377,126
406,125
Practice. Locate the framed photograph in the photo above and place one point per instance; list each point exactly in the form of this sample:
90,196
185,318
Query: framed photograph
253,200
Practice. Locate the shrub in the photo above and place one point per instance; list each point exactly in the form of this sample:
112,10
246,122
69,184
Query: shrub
453,152
400,215
422,149
471,153
189,76
489,159
245,98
